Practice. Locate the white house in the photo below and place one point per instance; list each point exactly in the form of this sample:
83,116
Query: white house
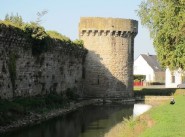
148,66
173,78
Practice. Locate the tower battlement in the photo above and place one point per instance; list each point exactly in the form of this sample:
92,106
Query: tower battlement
114,33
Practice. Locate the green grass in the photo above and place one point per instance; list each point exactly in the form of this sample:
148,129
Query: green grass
169,120
20,107
137,88
164,120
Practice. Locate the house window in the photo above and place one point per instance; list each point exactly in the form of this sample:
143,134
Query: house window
173,79
183,78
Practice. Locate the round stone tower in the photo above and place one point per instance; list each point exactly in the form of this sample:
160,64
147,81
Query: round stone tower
108,67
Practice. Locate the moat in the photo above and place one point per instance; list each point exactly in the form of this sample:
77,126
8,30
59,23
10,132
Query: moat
89,121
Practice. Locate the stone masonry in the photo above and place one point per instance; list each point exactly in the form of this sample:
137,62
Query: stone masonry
108,68
54,71
106,71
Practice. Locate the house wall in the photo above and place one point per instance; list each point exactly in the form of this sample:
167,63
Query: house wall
141,67
160,77
169,78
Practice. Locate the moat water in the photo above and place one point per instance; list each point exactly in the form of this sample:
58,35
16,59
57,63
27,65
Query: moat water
89,121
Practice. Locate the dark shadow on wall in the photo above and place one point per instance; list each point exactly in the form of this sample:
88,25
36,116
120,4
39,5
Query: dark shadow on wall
99,82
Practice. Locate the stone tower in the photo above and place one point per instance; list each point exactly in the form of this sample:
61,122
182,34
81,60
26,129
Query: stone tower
108,67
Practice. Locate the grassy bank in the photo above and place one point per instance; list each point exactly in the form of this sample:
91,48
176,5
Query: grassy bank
162,121
21,107
169,120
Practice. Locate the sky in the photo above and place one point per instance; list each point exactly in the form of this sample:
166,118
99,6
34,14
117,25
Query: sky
64,15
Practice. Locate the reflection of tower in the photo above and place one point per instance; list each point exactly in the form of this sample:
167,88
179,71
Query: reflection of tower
109,62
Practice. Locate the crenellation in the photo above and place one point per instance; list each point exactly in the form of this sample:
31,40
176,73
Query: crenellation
114,33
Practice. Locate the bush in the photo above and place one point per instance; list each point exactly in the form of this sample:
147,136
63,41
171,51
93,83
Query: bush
139,77
156,83
155,92
38,37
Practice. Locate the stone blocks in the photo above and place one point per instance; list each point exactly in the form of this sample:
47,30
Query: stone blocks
109,62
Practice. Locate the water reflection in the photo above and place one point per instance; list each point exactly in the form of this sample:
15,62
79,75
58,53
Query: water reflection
90,121
140,109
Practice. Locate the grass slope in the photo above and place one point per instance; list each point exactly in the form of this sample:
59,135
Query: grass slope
164,120
169,120
20,107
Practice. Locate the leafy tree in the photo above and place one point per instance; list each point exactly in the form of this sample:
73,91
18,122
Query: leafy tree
165,20
40,15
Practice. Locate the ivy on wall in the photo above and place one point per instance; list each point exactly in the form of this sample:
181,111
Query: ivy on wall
37,36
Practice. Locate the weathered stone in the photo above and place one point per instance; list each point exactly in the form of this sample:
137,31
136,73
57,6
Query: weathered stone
37,75
108,69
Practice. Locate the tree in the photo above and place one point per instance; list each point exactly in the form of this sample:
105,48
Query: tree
40,15
165,20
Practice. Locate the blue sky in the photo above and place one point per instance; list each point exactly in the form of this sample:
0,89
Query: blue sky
64,15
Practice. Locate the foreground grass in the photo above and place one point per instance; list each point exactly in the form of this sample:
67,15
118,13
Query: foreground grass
131,128
162,121
169,119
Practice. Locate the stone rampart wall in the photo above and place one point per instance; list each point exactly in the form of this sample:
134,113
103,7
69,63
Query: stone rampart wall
22,74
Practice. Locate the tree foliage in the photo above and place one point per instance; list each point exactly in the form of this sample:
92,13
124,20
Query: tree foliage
165,20
40,16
